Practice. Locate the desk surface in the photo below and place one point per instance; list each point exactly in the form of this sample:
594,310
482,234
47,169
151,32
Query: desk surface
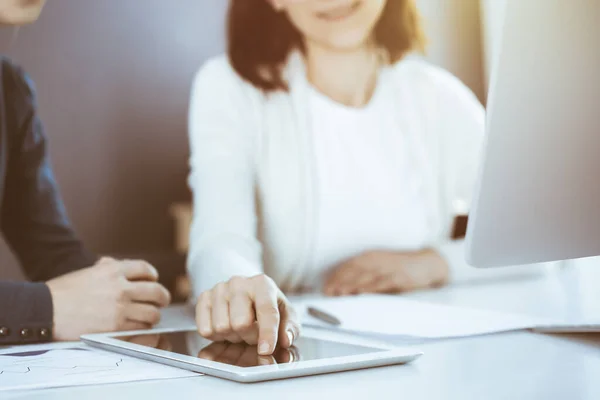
518,365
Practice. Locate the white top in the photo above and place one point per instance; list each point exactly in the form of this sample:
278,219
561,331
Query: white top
253,172
369,192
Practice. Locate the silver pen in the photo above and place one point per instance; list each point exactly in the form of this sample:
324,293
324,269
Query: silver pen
323,316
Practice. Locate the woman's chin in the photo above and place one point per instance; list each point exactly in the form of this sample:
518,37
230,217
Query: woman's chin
20,18
20,12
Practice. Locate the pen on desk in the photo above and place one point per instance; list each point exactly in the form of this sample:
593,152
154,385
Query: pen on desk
323,316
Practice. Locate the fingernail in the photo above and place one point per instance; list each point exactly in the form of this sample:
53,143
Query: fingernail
263,348
290,336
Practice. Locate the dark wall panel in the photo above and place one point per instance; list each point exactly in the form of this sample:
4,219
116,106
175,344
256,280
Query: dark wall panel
113,80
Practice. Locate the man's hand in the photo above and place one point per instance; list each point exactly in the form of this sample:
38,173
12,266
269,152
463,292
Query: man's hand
388,272
109,296
251,310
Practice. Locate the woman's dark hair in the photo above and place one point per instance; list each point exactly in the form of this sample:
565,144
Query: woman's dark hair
260,38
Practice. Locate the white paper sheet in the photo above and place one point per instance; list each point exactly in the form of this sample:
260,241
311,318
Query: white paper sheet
28,367
396,317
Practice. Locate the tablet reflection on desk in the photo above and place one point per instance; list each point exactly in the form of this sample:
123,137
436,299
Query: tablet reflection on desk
243,355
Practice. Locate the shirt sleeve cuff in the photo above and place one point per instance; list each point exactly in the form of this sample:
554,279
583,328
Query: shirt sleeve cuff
28,316
219,266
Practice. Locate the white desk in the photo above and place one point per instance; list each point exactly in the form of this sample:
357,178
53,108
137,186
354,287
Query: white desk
520,365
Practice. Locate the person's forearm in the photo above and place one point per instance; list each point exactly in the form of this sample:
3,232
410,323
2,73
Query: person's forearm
208,268
428,267
52,263
26,314
46,251
437,265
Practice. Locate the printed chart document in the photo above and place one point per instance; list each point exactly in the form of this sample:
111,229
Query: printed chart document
28,367
394,317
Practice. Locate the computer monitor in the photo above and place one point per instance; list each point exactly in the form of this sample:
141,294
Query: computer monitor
538,192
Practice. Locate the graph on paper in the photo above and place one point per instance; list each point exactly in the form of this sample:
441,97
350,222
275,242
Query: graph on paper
78,366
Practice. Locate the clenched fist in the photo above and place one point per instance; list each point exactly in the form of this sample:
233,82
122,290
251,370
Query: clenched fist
109,296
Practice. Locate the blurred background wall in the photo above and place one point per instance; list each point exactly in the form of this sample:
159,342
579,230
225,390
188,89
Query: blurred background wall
492,18
113,79
455,39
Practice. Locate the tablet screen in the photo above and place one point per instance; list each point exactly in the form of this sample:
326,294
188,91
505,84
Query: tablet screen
190,343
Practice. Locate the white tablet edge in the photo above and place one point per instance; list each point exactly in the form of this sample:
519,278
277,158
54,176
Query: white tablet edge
390,356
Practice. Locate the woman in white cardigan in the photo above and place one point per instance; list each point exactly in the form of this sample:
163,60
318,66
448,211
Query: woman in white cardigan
323,158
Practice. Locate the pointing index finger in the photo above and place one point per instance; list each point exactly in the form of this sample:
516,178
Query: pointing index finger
267,316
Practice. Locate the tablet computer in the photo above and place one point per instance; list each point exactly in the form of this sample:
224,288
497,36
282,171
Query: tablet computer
311,354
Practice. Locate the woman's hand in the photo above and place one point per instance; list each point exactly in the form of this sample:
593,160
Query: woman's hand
250,310
388,272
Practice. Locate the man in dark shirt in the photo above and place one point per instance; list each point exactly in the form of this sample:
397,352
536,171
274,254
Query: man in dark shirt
71,292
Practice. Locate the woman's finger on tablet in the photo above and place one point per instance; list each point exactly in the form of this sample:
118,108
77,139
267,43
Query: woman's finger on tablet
265,295
221,322
241,313
289,328
204,317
